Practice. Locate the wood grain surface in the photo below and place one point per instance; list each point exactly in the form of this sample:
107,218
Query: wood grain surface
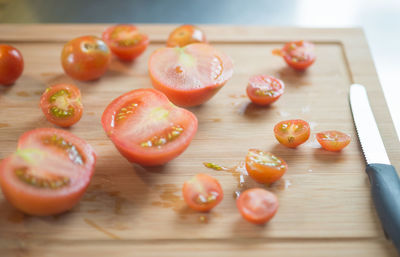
325,203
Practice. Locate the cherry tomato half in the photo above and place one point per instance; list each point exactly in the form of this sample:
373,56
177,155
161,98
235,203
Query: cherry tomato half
264,167
264,90
85,58
48,173
292,133
297,54
61,104
11,64
257,205
147,128
190,75
333,140
125,41
202,192
185,35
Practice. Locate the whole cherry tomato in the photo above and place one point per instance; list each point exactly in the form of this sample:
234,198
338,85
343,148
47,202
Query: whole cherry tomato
11,64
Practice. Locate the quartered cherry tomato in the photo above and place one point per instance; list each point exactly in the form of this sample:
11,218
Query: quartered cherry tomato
257,205
292,133
125,41
202,192
186,34
190,75
333,140
264,90
61,104
147,128
11,64
264,167
85,58
48,173
297,54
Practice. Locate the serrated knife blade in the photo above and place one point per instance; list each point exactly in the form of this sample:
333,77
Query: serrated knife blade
385,182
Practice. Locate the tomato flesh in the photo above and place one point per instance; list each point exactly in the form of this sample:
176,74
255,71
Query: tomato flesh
292,133
185,35
299,55
48,173
257,205
264,167
264,90
147,128
11,64
202,192
191,75
85,58
333,140
125,41
61,104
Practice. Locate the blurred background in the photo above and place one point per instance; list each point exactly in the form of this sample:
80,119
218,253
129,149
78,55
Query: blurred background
380,20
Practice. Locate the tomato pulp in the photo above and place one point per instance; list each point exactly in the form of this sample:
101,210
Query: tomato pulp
48,173
147,128
185,35
125,41
85,58
333,140
299,55
61,104
191,75
11,64
264,167
292,133
264,90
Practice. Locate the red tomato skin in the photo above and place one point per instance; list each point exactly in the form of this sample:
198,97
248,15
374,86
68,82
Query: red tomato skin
85,66
264,100
125,53
300,66
335,146
135,155
186,34
45,105
47,204
11,64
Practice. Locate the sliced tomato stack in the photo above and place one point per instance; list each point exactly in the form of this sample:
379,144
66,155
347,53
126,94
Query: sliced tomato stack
48,173
147,128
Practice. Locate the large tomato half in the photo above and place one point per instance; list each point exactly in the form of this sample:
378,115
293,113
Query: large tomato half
191,75
48,173
147,128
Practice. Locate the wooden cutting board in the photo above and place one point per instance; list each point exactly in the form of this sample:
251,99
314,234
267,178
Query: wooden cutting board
325,203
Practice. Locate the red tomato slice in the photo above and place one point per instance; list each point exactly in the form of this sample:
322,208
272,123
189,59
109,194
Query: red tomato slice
125,41
292,133
48,173
297,54
202,192
61,104
264,90
257,205
264,167
11,64
147,128
185,35
190,75
85,58
333,140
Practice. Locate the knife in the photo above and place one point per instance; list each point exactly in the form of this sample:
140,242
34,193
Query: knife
385,183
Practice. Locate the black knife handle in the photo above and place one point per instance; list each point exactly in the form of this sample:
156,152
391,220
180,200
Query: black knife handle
385,188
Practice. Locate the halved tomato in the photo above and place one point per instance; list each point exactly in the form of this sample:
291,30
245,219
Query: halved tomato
264,167
61,104
264,90
333,140
185,35
292,133
257,205
297,54
85,58
125,41
11,64
147,128
202,192
48,173
190,75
